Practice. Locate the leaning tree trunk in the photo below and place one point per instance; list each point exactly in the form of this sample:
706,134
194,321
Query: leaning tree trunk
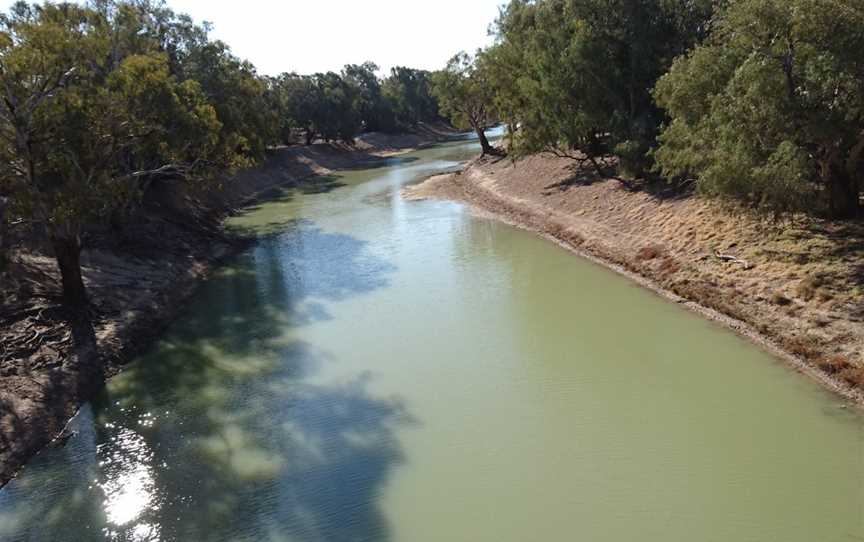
86,364
485,147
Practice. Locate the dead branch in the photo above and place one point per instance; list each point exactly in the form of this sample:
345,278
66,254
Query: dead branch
733,259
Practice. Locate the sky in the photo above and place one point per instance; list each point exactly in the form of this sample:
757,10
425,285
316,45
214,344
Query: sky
309,36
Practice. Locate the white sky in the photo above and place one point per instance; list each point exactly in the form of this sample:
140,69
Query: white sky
308,36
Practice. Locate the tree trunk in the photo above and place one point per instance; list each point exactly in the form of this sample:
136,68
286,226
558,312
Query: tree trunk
843,194
839,177
484,142
85,363
67,251
4,240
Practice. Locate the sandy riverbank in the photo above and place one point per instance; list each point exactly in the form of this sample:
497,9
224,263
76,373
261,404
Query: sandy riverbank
796,287
138,281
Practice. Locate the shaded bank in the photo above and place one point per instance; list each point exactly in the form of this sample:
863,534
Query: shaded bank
138,278
796,287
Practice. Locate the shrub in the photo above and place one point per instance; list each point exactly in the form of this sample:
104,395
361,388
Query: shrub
833,364
649,252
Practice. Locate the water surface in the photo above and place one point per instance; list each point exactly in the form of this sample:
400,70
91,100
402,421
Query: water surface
383,370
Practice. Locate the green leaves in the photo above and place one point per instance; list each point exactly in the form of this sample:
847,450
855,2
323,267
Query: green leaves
583,70
465,94
768,111
95,107
407,93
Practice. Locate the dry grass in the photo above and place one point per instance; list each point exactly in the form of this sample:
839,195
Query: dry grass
811,288
649,252
668,267
779,299
854,376
709,295
808,348
834,364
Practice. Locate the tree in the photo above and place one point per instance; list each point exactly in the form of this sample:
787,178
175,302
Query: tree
4,241
337,116
507,101
583,70
300,100
465,95
369,103
86,122
409,95
238,95
770,109
324,104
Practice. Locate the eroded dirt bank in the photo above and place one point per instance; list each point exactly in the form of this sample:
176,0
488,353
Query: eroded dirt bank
796,287
138,277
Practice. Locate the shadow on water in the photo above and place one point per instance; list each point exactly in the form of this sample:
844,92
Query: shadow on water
318,184
321,185
312,184
222,432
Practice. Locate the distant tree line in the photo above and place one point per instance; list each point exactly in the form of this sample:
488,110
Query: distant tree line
755,101
338,106
100,99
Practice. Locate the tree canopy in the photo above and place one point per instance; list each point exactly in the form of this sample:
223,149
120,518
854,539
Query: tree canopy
580,72
769,110
757,101
465,95
100,99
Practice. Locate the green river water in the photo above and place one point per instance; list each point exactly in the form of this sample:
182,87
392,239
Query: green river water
382,370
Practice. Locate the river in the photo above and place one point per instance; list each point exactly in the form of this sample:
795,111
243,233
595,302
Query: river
382,370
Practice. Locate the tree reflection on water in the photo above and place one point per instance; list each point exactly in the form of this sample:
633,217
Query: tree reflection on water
223,432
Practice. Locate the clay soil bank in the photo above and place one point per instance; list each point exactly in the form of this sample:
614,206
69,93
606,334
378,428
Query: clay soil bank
796,287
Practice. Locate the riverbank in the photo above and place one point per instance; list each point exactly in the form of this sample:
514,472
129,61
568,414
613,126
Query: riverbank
796,287
138,280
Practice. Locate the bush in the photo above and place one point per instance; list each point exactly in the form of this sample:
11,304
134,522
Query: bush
768,110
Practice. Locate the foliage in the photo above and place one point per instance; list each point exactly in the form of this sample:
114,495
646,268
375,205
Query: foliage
770,109
103,98
339,106
465,95
85,118
582,70
374,111
336,115
409,95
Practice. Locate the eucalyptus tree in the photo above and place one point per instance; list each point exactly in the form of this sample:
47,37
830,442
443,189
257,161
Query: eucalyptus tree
85,120
465,95
369,103
583,70
770,109
337,115
409,94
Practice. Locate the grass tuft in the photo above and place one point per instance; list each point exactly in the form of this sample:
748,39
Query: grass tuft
854,376
649,252
779,299
834,364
